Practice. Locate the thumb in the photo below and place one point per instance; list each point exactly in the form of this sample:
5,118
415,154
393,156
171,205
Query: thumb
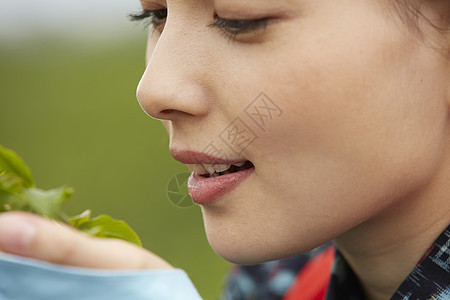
32,236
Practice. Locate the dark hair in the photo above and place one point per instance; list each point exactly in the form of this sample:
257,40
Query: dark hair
412,14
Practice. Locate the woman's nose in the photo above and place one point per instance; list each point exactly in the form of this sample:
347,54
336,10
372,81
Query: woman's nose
174,82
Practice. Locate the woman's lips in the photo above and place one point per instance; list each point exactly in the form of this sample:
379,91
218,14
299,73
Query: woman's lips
204,190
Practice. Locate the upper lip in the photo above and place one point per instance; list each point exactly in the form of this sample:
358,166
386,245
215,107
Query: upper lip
190,157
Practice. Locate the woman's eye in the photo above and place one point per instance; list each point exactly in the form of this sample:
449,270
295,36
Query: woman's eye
155,18
237,27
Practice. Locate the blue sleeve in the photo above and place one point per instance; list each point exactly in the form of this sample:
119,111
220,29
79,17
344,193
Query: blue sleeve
25,279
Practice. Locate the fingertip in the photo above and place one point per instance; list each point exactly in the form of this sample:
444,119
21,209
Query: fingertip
36,237
17,232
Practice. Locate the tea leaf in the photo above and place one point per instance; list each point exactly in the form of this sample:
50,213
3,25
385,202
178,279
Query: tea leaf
10,183
47,203
78,220
105,226
11,163
17,192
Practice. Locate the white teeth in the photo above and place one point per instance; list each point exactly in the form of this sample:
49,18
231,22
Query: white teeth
199,169
209,168
216,168
221,168
239,164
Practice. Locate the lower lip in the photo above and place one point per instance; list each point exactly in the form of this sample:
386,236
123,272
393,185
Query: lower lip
205,190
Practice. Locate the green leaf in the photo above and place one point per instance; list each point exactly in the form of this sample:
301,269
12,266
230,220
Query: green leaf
12,202
107,227
10,184
11,163
48,203
78,220
17,192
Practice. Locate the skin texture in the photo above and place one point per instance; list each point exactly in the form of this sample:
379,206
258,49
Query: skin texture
360,154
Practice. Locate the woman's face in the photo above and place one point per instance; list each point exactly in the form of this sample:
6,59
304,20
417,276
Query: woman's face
355,124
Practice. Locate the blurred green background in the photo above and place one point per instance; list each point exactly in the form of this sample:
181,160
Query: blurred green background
69,109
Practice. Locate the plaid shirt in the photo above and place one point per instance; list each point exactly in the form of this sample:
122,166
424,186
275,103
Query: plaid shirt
282,280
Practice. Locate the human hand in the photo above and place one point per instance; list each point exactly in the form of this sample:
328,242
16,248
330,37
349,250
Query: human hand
32,236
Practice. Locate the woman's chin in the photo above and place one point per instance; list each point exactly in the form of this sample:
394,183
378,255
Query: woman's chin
247,251
243,256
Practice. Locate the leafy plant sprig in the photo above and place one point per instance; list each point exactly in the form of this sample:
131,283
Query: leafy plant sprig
19,193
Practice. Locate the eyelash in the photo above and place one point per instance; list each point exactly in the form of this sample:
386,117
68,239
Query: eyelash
157,18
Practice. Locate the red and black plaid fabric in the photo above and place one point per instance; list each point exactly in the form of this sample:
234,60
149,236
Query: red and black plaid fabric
323,274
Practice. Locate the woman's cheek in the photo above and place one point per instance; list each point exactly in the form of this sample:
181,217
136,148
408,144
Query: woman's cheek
338,156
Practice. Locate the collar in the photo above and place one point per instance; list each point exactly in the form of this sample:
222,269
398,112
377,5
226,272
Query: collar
430,278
